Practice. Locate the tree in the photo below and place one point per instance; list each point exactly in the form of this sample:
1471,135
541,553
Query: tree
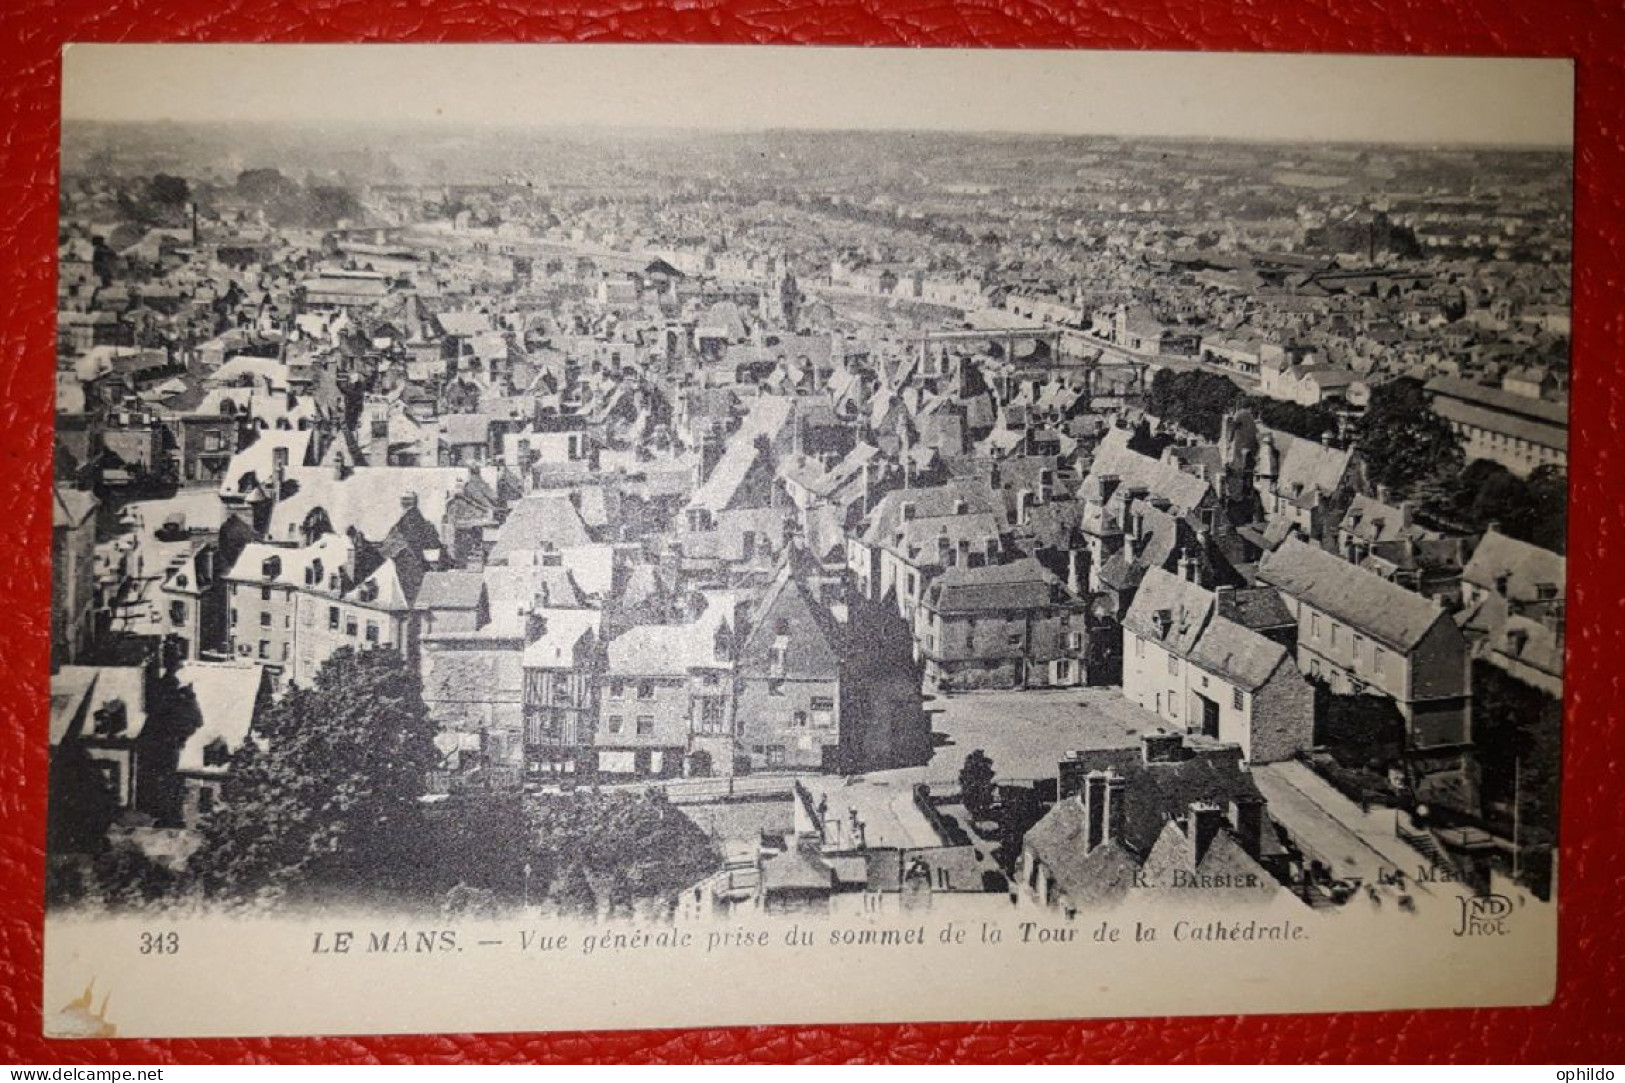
1532,509
1402,441
572,892
1195,401
1309,422
167,192
327,804
642,837
81,806
976,785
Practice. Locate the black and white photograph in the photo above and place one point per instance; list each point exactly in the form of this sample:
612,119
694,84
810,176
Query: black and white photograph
822,534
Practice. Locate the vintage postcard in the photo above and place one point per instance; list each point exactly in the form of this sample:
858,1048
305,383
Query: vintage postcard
583,537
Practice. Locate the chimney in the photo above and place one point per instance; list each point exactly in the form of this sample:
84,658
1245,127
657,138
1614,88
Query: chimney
1095,797
1247,818
1074,576
1188,566
1162,747
1224,601
1205,820
1384,494
1116,808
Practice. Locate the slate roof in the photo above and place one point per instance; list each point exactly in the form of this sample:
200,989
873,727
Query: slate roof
1113,458
228,696
1306,467
673,649
1526,567
1237,655
1155,793
1187,604
1365,601
1256,608
540,521
456,590
71,507
1023,584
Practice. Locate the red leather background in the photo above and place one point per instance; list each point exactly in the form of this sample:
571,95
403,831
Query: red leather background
1585,1024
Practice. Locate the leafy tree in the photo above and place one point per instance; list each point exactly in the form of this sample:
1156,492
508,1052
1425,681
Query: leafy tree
641,836
465,901
976,788
329,805
124,877
81,806
1195,401
1402,441
1019,810
165,191
1532,509
1309,422
572,892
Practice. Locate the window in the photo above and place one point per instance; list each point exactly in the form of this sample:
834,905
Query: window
709,680
1014,638
1173,666
287,649
775,755
1378,659
350,626
646,690
1314,625
205,800
265,620
177,612
265,594
1238,699
1359,648
646,725
615,723
617,689
212,440
1139,647
775,688
332,618
1334,633
265,648
372,632
798,720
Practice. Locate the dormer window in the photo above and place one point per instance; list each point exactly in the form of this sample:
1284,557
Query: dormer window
271,567
112,718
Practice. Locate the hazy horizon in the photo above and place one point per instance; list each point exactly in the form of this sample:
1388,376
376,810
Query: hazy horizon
652,90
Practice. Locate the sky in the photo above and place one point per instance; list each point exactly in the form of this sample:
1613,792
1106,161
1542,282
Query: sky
1219,95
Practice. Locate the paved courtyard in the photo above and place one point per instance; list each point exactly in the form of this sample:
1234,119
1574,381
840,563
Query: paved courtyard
1027,733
